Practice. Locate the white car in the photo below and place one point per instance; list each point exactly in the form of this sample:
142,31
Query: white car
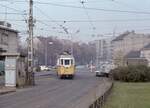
104,69
44,68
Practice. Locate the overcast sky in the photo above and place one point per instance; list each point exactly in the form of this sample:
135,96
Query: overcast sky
85,21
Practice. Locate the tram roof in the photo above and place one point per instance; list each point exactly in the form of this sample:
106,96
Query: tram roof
66,56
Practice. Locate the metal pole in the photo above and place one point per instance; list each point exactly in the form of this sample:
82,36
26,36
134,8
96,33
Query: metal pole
30,45
46,51
71,43
97,54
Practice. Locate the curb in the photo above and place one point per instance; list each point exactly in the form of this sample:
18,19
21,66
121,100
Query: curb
5,90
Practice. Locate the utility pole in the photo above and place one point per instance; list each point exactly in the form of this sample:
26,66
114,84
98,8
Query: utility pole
30,45
97,53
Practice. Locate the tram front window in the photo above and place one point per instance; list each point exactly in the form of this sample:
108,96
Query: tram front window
67,62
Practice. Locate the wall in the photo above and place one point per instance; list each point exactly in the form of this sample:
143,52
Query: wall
21,72
12,42
8,40
146,54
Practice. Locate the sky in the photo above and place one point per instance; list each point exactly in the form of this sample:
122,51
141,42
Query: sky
85,20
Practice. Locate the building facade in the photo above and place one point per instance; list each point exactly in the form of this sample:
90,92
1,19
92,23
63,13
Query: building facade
14,68
127,42
145,53
8,40
103,51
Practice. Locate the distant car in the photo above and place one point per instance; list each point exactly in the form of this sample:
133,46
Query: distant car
97,72
102,72
44,68
104,69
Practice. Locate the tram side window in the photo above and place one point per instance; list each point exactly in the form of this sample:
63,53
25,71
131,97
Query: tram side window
61,61
67,62
71,62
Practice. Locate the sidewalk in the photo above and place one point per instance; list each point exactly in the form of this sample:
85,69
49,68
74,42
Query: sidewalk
5,90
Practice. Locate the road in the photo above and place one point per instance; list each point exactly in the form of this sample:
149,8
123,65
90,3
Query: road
51,92
1,81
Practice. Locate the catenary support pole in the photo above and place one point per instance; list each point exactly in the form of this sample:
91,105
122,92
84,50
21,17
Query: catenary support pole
30,45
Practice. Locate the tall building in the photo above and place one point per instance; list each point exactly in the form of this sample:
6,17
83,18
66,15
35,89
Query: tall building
103,50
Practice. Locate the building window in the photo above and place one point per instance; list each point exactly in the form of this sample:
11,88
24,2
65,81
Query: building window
142,54
4,38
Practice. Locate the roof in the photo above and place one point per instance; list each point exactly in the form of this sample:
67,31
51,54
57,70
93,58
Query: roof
133,54
8,29
66,56
121,37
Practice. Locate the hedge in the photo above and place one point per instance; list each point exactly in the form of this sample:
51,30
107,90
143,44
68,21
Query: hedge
138,73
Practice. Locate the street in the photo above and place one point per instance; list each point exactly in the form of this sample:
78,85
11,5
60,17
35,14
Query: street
51,92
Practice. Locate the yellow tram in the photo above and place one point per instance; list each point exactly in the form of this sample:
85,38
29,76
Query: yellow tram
65,66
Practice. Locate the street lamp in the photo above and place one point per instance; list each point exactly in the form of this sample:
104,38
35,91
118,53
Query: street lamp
50,43
46,52
71,37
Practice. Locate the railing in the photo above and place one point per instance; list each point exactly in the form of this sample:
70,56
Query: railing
94,98
101,100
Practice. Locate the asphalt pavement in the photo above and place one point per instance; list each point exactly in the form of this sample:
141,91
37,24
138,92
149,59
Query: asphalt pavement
52,92
1,81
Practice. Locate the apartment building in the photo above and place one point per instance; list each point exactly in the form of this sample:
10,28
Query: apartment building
8,39
14,63
126,43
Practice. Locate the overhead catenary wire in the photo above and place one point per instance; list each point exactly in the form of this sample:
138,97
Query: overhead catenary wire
124,4
12,13
19,12
44,14
84,21
16,10
39,2
48,25
89,19
94,20
58,21
22,1
61,26
91,8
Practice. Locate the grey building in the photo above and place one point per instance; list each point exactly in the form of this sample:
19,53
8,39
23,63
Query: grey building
15,73
126,43
134,58
103,51
8,40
